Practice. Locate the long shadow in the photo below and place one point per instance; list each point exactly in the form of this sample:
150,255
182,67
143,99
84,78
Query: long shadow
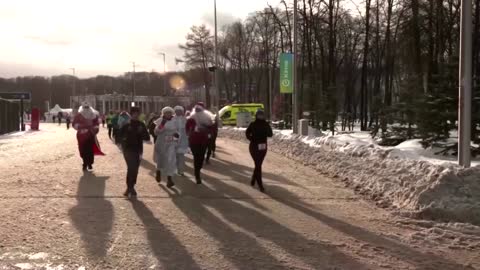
420,259
287,198
317,255
93,215
170,252
245,171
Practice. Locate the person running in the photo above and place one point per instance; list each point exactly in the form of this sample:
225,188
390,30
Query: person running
68,121
115,129
182,146
133,134
123,119
86,123
166,146
257,133
198,128
109,124
60,116
151,126
103,120
212,141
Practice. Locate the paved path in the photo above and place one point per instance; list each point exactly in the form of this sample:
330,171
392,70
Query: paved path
55,217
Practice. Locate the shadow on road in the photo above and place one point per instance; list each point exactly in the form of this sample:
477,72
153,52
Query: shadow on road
244,250
93,215
168,250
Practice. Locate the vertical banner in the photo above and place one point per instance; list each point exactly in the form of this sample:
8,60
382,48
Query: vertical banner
286,73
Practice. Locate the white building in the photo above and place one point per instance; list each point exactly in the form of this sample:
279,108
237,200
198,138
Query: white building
117,102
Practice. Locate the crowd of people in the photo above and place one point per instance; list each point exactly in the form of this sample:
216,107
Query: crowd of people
175,133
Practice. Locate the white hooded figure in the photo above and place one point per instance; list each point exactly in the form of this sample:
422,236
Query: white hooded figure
182,146
165,152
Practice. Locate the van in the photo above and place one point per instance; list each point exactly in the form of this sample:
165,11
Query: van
228,114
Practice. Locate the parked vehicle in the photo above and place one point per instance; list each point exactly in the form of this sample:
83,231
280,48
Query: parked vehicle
228,114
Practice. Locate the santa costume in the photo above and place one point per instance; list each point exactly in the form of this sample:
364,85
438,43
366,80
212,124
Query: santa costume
198,128
86,122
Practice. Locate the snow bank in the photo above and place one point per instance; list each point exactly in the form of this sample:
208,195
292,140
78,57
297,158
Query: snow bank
417,188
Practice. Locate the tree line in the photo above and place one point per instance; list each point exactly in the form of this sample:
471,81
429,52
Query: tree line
389,66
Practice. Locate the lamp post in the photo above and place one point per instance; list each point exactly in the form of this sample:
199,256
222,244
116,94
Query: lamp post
217,88
465,85
73,104
133,79
164,73
295,111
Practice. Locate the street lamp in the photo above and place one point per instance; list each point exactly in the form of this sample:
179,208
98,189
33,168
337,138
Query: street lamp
217,88
295,95
465,85
164,73
133,79
72,101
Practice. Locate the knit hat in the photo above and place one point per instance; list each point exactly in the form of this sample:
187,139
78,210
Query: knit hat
168,109
179,108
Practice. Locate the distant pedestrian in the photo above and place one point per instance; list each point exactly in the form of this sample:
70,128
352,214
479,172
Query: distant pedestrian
165,150
86,123
68,120
115,127
257,133
109,124
198,129
212,140
151,126
123,119
60,116
103,120
132,136
182,146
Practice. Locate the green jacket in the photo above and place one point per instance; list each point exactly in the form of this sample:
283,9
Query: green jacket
109,119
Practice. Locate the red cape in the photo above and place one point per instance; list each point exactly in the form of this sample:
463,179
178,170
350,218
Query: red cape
80,123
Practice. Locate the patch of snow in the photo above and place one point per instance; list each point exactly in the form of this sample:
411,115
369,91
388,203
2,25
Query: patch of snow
406,178
24,266
38,256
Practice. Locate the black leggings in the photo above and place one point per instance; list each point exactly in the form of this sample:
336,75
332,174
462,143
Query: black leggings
212,146
258,157
87,151
198,151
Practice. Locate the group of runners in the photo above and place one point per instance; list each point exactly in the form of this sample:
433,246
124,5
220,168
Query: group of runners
175,133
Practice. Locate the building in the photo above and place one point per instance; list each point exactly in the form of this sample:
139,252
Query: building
117,102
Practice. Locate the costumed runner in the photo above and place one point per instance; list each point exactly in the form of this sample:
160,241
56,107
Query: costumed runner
86,122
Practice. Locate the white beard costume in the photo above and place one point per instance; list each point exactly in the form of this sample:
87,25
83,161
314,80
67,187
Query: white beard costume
204,118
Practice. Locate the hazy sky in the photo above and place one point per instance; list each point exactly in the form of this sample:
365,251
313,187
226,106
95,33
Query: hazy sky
47,37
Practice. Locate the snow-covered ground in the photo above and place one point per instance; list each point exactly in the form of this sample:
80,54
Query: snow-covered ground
407,178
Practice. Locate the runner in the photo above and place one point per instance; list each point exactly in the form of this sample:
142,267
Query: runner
68,120
198,128
151,126
133,134
182,146
86,123
212,141
257,133
165,147
109,124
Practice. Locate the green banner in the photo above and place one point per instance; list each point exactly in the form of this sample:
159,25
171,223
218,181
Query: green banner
286,73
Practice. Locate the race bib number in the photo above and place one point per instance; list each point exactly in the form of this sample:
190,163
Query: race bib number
169,139
262,147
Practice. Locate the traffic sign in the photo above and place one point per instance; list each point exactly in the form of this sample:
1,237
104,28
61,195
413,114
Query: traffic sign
16,96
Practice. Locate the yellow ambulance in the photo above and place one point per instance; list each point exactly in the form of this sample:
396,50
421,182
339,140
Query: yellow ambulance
228,114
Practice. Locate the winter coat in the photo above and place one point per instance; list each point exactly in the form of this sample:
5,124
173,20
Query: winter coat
182,146
258,132
165,152
197,134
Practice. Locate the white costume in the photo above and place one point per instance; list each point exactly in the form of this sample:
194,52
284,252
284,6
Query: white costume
182,146
166,145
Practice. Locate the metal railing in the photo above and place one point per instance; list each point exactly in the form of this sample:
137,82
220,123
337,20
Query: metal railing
9,116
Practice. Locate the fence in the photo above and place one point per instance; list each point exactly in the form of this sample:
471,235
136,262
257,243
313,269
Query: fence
9,116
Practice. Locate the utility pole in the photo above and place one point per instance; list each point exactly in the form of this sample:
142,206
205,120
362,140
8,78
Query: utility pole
465,85
217,88
295,75
73,103
133,90
164,74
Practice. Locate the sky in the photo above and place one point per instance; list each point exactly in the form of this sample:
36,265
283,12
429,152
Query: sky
49,37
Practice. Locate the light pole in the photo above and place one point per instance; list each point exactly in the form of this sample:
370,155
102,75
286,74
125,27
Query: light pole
73,104
164,73
215,74
133,79
465,85
295,112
